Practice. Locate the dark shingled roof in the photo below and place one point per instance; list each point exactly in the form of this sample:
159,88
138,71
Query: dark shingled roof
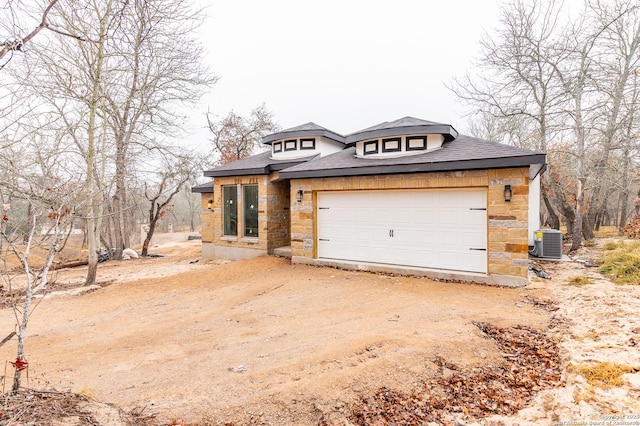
403,126
203,188
463,153
259,164
308,129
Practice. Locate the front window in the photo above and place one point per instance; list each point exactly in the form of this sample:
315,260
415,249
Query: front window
230,214
250,207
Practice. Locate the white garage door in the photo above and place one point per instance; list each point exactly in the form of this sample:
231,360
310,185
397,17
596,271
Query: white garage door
432,229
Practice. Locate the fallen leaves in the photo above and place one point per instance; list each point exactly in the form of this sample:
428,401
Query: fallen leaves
531,363
632,229
39,407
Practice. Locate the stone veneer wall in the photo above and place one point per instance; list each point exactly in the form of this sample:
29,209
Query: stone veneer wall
206,217
278,215
240,242
507,222
273,215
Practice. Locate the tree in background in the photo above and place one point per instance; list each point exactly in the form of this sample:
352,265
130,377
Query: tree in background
562,83
235,137
112,101
12,37
172,175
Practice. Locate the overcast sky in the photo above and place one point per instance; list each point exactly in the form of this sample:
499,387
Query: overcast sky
345,65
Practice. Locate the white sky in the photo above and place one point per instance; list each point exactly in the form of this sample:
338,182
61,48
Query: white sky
345,65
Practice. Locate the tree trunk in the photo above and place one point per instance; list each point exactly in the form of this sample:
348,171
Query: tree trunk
588,227
117,225
624,206
147,239
28,231
554,219
92,241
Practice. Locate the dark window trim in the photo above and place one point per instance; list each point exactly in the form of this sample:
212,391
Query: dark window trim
277,147
370,143
224,214
295,145
244,211
313,143
415,138
384,145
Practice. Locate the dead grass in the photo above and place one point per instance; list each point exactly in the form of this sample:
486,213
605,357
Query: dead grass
603,374
579,280
589,243
622,264
607,232
610,245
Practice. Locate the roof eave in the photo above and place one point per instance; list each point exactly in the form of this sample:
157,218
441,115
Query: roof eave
202,190
273,167
237,172
296,133
443,129
475,164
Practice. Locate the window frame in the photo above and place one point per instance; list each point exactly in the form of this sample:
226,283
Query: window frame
245,216
370,143
409,139
311,147
227,216
387,140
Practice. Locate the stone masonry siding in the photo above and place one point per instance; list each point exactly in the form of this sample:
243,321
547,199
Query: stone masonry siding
206,217
239,241
273,214
278,203
507,222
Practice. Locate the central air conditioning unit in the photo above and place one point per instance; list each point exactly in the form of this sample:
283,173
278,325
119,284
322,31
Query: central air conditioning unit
547,243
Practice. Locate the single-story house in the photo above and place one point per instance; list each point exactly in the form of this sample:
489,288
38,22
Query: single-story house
407,196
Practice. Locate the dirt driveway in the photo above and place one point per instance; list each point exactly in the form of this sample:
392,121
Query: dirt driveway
256,339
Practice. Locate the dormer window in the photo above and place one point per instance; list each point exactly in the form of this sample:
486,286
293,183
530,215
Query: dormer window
416,143
291,145
398,145
277,147
308,143
391,145
370,147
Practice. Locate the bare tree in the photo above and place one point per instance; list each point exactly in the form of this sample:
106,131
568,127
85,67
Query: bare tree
160,68
172,176
235,137
14,41
621,34
543,69
517,86
118,95
48,225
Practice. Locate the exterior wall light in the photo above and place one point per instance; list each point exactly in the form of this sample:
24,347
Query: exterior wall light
507,193
299,195
210,204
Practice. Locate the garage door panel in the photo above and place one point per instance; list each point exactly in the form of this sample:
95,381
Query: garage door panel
433,229
424,238
474,239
